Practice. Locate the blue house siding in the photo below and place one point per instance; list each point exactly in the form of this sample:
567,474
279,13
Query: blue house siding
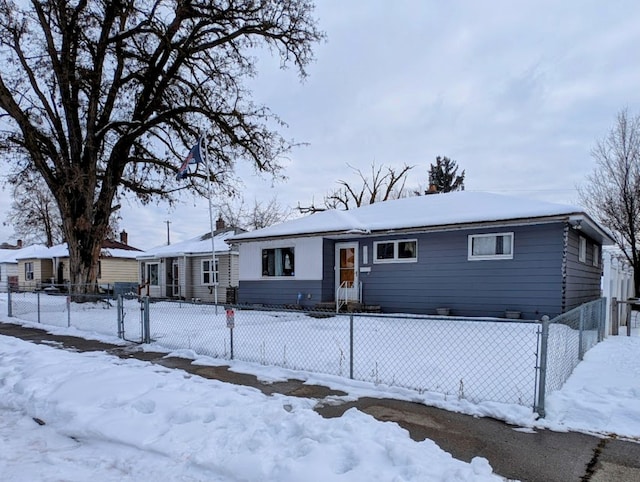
280,292
531,282
328,270
544,277
582,278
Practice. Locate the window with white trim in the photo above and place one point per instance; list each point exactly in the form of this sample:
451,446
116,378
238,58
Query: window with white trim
490,246
209,277
28,271
596,255
582,250
278,262
397,251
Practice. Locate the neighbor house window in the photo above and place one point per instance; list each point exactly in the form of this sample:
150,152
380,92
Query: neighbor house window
278,262
209,276
404,250
491,246
153,270
596,255
28,271
582,250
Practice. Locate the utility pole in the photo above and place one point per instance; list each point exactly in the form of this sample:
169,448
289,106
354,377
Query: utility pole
168,239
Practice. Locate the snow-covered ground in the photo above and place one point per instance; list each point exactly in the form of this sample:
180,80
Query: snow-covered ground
425,354
112,419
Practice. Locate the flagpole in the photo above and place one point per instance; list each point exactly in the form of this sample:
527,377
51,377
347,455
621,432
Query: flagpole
213,245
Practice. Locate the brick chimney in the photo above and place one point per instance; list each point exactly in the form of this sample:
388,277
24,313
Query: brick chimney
19,244
220,224
124,237
433,189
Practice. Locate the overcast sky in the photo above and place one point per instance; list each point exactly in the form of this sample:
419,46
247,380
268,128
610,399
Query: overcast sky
516,92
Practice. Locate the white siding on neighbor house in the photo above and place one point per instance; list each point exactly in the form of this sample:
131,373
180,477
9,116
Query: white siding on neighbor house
6,270
204,292
307,263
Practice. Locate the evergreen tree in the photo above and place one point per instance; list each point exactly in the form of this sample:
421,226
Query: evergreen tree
443,176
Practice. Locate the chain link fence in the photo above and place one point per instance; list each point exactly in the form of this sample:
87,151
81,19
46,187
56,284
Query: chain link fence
564,341
475,359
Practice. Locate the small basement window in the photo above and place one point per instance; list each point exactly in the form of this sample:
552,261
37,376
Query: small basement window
400,251
490,246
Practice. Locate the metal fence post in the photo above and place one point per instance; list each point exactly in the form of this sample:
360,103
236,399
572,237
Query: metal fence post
581,333
146,325
614,316
120,309
603,319
351,346
9,309
38,298
542,380
68,309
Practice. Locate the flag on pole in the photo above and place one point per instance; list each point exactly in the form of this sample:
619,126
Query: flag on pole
194,157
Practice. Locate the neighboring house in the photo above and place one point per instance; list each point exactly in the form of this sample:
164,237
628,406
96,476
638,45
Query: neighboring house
9,264
477,254
186,270
50,266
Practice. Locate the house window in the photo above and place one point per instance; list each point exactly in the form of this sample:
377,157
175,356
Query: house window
278,262
153,270
490,246
596,255
209,276
28,271
582,250
400,251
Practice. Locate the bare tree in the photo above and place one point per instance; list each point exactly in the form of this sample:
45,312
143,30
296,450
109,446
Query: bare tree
381,185
34,214
256,216
106,98
612,191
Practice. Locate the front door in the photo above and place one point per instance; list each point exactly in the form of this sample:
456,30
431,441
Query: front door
347,286
175,268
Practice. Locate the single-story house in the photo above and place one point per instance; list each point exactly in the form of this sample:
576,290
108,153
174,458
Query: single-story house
9,264
50,266
476,254
187,270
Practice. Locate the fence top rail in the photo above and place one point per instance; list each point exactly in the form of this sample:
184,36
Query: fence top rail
331,313
576,311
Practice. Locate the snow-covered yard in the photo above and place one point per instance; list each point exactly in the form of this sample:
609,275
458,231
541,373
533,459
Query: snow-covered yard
424,354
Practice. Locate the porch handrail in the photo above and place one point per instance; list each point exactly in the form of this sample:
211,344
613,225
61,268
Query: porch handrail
342,300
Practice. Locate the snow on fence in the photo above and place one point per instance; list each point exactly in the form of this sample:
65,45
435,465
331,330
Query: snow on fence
476,359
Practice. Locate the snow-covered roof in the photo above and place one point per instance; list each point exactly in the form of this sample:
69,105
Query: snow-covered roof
40,251
23,253
432,211
198,245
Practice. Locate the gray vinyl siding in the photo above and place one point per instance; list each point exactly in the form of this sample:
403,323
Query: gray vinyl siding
195,287
542,278
280,292
582,281
328,270
531,282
